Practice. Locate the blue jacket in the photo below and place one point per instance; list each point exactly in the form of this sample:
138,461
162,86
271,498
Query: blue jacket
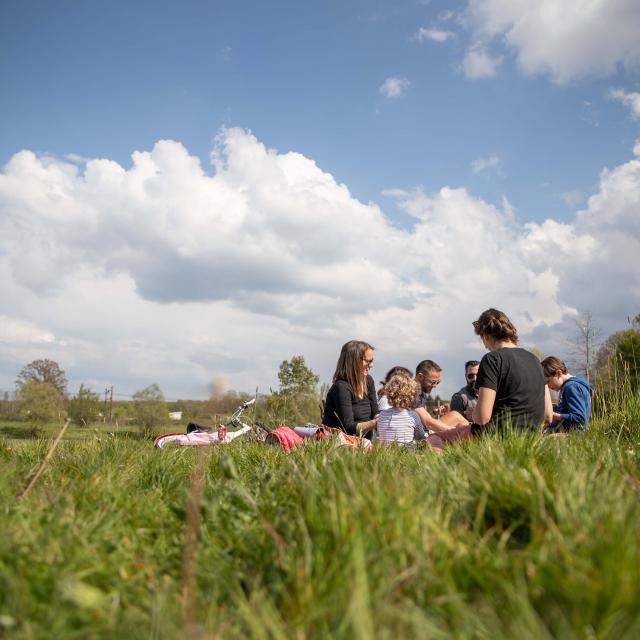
574,405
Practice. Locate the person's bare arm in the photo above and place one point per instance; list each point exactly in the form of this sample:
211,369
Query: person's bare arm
429,421
364,427
549,414
484,407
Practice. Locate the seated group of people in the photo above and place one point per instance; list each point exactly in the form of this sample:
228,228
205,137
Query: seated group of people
509,385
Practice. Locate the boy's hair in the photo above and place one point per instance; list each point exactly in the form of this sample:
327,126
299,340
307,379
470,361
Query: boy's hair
427,366
470,363
401,391
496,325
551,365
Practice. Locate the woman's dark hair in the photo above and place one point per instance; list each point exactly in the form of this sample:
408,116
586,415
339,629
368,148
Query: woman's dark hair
495,325
551,365
399,371
349,367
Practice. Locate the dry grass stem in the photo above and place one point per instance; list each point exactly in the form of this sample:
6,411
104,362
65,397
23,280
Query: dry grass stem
43,466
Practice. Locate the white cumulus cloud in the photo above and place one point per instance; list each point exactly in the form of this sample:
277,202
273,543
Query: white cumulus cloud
435,35
166,272
482,164
492,161
394,87
565,40
629,99
572,198
479,63
16,330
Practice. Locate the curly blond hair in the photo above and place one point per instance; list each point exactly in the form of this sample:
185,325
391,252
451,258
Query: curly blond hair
401,392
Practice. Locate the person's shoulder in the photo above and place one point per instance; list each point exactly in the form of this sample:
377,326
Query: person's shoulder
340,385
578,383
490,358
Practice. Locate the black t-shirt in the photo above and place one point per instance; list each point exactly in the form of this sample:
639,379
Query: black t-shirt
516,377
344,410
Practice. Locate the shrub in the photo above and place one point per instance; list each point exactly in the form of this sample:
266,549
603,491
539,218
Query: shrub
150,408
84,407
41,402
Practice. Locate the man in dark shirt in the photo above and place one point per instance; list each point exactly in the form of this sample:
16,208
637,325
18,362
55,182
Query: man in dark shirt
465,400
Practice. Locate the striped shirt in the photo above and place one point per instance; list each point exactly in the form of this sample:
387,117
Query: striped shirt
399,425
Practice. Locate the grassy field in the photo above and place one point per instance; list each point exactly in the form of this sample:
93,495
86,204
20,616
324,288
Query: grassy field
514,537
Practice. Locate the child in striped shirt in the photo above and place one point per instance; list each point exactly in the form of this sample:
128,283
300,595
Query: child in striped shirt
399,423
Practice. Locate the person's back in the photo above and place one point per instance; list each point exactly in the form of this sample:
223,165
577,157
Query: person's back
574,403
398,423
516,377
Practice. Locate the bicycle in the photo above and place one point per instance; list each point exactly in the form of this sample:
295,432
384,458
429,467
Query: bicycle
197,436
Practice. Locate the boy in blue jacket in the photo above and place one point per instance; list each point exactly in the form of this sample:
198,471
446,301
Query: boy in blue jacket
574,397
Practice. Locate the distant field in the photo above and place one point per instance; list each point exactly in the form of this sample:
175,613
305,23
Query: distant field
514,537
10,430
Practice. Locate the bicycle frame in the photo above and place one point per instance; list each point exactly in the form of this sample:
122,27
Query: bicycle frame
200,438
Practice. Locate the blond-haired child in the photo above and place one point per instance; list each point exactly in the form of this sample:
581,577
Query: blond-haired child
399,423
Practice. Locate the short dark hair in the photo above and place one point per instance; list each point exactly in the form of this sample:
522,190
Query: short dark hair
470,363
426,366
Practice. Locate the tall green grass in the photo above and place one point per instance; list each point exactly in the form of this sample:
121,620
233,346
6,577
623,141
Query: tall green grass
514,536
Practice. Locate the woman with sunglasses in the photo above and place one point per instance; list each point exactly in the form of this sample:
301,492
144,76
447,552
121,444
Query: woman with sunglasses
352,402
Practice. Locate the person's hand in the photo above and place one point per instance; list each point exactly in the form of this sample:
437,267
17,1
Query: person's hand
557,416
438,412
468,414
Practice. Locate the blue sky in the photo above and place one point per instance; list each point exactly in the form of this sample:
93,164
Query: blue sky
515,107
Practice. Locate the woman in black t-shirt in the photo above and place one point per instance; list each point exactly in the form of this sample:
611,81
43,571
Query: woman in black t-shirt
511,386
352,403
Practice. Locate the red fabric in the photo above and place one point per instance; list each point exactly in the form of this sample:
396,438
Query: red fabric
287,438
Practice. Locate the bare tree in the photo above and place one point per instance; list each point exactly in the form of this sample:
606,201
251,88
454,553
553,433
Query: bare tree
585,343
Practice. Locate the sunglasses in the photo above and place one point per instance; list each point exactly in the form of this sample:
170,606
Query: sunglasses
368,360
472,376
433,383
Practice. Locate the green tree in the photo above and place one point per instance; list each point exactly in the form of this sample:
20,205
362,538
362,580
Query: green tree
84,406
627,355
619,358
150,408
44,371
296,379
297,401
41,402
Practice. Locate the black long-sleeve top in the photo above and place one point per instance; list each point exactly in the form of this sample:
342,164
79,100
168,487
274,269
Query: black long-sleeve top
344,410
